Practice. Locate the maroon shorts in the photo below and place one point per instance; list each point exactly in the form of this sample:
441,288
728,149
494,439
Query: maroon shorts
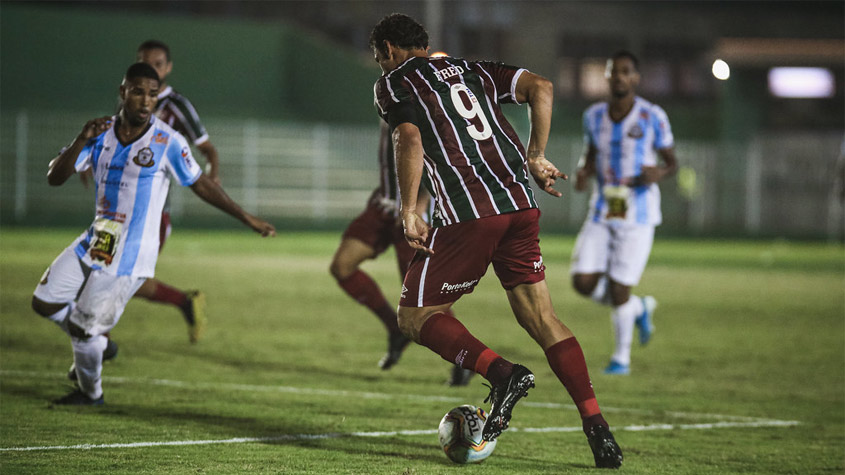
463,251
379,230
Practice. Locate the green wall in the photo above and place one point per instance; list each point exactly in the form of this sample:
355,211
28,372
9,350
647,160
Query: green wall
59,57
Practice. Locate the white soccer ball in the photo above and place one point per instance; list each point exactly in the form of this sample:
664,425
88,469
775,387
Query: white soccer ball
460,435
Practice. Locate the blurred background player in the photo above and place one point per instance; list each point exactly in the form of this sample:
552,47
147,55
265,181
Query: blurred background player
445,118
367,236
86,288
178,112
621,137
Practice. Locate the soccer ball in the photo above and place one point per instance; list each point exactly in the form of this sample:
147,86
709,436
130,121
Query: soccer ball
460,435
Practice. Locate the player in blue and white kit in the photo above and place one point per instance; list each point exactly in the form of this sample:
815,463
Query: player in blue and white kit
133,156
623,139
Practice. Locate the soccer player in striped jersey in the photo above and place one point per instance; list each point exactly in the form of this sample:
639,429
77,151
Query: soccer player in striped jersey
623,139
367,236
178,112
446,121
133,156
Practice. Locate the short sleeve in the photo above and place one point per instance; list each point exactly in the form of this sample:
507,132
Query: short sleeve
588,134
85,158
181,163
663,137
504,78
394,102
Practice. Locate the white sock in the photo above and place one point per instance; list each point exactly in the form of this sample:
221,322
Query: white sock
88,359
60,317
600,293
623,318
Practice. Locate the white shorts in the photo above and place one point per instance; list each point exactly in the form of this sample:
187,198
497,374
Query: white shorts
100,297
620,251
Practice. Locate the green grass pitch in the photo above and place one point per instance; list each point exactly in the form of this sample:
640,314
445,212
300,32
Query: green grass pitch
745,374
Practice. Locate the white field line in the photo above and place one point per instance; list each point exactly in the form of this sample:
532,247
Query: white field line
200,385
294,437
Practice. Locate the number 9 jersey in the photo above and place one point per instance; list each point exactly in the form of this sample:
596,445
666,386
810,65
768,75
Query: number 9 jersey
474,161
131,183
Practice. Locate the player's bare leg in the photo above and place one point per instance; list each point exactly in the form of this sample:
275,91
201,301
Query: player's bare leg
345,268
532,306
190,302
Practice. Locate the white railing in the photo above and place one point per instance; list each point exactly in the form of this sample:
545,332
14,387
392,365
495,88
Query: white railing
324,173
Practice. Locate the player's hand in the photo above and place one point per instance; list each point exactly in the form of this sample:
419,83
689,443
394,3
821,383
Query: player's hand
545,174
94,128
416,232
260,226
649,175
582,177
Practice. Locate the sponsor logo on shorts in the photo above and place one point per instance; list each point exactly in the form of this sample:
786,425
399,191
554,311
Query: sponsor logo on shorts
448,288
538,266
404,291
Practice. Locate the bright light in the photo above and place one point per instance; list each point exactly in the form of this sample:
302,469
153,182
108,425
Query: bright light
801,82
438,54
721,70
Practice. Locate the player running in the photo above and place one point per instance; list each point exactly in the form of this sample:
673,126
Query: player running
367,236
446,119
133,156
621,137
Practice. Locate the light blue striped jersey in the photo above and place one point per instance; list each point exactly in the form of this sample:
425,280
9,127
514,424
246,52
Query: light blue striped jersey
623,148
131,183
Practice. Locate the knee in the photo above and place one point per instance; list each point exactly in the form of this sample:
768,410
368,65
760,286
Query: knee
43,308
340,269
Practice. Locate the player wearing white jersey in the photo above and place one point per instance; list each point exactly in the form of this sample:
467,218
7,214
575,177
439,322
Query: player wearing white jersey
623,139
133,156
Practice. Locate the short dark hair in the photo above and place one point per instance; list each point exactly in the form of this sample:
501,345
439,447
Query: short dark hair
401,30
155,44
626,54
141,70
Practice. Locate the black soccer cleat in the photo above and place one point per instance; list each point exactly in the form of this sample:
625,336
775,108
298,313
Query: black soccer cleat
109,353
460,376
503,398
605,449
78,398
396,344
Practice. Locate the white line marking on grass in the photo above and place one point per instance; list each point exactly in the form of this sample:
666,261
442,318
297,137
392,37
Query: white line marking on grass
200,385
335,435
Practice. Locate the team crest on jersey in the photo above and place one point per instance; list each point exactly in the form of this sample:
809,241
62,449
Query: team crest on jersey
635,132
144,158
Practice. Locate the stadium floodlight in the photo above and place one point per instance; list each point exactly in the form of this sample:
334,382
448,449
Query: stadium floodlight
721,70
801,82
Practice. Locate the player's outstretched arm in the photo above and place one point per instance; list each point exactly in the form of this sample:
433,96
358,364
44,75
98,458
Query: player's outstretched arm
538,92
63,166
210,153
213,194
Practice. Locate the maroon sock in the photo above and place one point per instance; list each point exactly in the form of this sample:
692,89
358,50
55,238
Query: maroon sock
567,361
365,291
447,337
166,294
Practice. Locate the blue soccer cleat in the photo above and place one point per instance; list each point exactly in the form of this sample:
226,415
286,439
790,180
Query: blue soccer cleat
617,368
643,321
78,398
